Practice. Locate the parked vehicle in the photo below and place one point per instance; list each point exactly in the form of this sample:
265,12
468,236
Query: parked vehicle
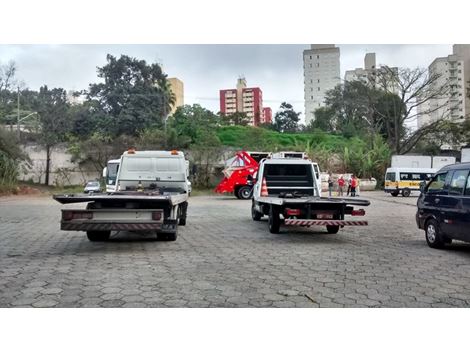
92,187
444,206
236,174
405,180
287,191
151,195
110,174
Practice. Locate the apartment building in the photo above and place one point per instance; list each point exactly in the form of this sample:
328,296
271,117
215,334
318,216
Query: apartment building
177,87
454,73
321,73
247,100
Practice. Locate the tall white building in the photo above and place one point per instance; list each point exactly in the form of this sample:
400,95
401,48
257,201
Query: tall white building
321,73
454,71
362,74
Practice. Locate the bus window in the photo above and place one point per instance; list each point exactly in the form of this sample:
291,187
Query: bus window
390,176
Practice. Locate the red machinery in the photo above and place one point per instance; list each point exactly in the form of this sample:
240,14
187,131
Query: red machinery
238,168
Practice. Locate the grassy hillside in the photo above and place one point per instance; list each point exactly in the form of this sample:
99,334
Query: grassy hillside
251,138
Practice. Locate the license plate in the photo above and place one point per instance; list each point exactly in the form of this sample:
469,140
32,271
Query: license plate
325,216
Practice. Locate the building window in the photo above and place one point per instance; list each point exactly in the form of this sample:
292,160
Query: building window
311,81
318,56
311,97
318,81
310,65
311,89
310,57
318,64
318,88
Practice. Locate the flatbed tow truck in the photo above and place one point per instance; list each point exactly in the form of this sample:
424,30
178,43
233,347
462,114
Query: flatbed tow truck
151,195
286,191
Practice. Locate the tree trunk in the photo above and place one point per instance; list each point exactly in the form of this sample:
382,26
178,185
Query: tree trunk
48,164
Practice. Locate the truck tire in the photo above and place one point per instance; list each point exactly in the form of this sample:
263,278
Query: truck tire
98,236
274,222
332,228
245,192
255,215
167,236
236,194
183,210
406,192
434,237
395,193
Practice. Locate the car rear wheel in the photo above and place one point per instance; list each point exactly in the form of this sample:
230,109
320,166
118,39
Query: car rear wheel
98,236
434,238
406,192
274,220
245,192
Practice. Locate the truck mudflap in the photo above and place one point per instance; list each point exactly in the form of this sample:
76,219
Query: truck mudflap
308,223
115,226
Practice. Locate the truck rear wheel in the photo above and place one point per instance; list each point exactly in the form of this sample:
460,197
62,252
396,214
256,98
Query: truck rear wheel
332,228
395,193
255,215
98,236
167,236
274,220
245,192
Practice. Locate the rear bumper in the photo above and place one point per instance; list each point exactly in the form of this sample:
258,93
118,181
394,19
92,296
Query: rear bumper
109,226
308,223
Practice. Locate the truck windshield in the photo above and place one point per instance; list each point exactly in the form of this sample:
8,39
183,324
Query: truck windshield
112,173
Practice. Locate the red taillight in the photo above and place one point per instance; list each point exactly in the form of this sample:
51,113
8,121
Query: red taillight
157,215
359,212
76,215
292,212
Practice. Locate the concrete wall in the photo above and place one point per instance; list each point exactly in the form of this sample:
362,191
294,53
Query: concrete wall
64,171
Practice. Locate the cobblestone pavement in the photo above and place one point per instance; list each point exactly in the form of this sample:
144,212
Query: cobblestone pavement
224,259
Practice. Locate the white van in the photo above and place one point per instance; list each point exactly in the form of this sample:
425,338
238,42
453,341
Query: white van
404,180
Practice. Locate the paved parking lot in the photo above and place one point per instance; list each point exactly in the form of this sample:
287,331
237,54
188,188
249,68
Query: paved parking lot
224,259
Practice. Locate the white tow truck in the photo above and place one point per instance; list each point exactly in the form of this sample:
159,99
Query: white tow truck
151,194
286,190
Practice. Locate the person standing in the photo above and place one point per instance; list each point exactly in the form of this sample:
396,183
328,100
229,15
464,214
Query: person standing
349,186
341,183
353,185
330,184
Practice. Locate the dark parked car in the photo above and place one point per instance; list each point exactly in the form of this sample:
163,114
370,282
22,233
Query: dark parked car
444,206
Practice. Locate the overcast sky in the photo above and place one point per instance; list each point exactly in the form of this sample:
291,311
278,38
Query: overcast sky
204,69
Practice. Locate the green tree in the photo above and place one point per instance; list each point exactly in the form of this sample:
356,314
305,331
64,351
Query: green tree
53,119
237,119
194,121
286,119
135,95
324,120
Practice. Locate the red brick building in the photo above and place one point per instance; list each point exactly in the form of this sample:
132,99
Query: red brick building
247,100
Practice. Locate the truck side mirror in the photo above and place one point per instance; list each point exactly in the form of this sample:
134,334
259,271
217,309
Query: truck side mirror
105,172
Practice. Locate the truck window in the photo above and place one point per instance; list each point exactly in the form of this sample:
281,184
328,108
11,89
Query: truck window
437,183
457,184
390,176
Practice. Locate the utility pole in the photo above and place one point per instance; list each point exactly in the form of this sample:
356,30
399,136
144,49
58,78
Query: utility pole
18,117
